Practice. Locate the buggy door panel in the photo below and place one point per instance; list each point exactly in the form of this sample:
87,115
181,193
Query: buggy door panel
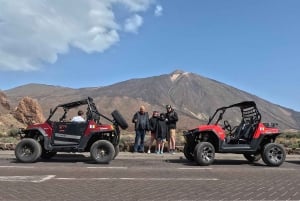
68,133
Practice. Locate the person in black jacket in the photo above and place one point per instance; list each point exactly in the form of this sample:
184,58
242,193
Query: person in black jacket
153,126
161,133
172,118
141,123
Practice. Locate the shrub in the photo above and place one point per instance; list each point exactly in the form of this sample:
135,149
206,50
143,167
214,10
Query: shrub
13,132
294,146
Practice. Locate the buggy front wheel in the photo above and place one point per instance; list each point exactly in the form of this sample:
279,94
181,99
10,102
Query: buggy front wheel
204,153
28,150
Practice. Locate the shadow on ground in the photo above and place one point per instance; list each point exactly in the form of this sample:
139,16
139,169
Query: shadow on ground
293,162
216,162
65,158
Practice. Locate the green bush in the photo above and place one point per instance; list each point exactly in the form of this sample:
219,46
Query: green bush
295,146
289,139
6,139
13,132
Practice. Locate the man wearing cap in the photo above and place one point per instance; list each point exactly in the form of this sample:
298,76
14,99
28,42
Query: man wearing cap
141,123
172,118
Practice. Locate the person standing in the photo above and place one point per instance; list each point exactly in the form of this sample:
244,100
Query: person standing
171,118
153,125
141,123
161,133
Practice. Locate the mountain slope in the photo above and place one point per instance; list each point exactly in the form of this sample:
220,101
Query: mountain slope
194,97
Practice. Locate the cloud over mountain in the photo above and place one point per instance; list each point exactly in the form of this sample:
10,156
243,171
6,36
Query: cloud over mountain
34,32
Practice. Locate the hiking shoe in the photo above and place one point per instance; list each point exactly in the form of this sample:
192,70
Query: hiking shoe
149,152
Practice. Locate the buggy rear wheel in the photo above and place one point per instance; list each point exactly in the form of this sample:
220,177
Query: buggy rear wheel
119,119
28,150
188,152
102,151
252,157
273,154
204,153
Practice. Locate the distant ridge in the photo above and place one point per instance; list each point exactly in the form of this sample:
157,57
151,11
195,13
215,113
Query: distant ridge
193,96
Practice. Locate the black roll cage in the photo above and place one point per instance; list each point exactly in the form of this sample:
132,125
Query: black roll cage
248,109
92,112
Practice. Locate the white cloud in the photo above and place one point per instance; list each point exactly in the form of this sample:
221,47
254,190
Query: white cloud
132,24
158,10
136,5
36,32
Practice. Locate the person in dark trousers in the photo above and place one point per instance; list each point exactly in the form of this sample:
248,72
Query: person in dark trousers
153,126
141,123
161,133
172,119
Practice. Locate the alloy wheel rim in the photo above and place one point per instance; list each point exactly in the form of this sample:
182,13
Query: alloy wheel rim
27,151
207,153
100,153
275,154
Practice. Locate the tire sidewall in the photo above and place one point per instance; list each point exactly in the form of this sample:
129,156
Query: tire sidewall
108,149
198,153
34,145
119,119
266,150
188,153
252,157
117,151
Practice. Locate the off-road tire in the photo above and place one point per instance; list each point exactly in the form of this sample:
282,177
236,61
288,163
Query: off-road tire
119,119
188,152
273,154
117,151
204,153
252,157
102,151
28,150
47,154
195,152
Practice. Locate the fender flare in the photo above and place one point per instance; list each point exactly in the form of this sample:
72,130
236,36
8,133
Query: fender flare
47,144
86,139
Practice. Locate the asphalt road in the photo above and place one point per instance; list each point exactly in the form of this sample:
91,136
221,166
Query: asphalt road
147,177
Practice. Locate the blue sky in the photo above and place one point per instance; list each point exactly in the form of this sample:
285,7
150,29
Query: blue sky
252,45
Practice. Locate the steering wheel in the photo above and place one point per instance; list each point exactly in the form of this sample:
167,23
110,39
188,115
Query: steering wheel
227,126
